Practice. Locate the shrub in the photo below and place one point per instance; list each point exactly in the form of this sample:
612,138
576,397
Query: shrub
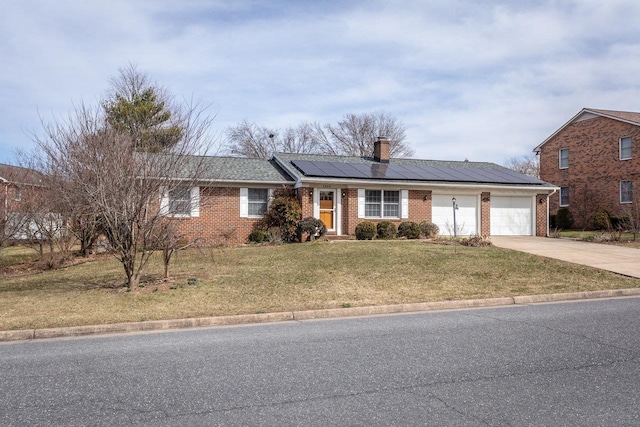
257,236
365,230
602,220
313,227
476,241
409,229
429,229
552,221
284,212
564,218
386,230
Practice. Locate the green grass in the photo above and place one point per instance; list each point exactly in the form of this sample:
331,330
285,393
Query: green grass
252,279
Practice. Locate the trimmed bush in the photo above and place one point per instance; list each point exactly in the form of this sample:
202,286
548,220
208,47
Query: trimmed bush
409,229
284,213
386,230
602,220
312,227
365,230
564,219
257,236
429,229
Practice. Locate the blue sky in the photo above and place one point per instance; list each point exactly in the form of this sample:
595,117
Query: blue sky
483,80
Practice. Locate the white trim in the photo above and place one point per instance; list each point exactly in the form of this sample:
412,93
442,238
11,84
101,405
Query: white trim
244,202
164,201
560,197
620,188
338,212
360,202
620,148
316,203
560,158
195,202
404,204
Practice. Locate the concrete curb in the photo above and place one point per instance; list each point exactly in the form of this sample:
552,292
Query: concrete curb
159,325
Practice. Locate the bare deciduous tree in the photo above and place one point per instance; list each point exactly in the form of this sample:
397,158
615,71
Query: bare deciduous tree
126,187
354,135
528,164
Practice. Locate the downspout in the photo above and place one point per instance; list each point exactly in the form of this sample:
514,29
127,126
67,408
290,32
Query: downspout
548,196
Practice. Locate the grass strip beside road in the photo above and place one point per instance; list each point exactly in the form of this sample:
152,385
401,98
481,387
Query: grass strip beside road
257,279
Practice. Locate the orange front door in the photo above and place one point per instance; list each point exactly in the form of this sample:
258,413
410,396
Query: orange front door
327,208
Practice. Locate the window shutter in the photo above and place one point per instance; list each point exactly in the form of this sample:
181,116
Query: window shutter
404,197
195,202
316,204
164,200
360,202
244,202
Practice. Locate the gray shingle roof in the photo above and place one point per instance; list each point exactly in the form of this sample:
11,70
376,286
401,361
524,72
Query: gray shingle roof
241,169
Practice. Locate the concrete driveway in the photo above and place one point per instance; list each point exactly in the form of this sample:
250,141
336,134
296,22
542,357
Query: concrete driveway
618,259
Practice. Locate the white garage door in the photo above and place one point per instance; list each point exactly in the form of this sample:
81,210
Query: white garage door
511,216
466,215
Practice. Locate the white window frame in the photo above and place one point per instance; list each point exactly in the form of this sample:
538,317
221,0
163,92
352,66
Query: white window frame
194,202
560,196
629,193
621,149
402,204
254,201
560,158
244,201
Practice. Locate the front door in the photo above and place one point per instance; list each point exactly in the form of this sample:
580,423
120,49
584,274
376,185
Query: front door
327,208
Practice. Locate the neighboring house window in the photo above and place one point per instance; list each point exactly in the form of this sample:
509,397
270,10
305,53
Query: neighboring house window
564,158
180,201
564,196
379,203
258,199
17,195
626,192
625,148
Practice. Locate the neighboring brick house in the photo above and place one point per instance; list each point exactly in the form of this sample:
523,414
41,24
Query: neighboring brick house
593,158
345,190
14,182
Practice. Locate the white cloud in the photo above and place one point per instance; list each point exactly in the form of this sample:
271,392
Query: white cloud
483,80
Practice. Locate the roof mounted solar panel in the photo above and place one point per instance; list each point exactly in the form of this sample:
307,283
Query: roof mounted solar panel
400,172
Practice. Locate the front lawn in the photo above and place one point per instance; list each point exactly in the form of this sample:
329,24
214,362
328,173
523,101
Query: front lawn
255,279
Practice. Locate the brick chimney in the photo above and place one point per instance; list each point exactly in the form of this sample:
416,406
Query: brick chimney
381,150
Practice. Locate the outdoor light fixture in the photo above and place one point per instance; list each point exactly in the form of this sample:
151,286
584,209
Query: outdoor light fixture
310,193
344,194
426,197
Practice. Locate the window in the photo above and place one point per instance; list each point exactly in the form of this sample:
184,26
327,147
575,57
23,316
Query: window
564,158
626,192
625,148
385,204
17,194
180,201
564,196
258,199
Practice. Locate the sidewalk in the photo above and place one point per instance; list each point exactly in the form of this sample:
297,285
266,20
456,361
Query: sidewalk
617,259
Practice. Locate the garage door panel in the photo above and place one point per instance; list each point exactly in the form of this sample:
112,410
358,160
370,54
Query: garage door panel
466,215
511,216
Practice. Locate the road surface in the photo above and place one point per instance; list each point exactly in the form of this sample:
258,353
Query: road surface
549,364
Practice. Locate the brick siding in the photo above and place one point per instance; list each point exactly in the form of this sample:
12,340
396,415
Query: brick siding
595,169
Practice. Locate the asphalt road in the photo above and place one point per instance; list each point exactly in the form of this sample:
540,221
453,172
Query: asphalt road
550,364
